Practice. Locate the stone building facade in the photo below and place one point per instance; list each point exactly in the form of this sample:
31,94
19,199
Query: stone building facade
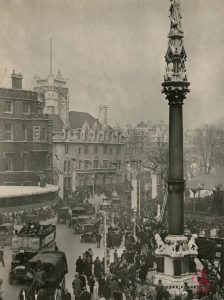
89,154
25,137
86,152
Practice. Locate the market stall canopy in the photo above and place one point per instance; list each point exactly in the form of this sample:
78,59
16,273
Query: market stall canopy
208,181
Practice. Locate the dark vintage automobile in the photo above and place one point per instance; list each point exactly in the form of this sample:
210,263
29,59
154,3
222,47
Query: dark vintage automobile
54,264
79,224
63,215
87,237
18,271
86,224
114,237
84,209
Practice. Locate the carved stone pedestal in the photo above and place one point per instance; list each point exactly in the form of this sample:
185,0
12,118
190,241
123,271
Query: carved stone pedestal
175,259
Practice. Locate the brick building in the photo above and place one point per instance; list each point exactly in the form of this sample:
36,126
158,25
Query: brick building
25,136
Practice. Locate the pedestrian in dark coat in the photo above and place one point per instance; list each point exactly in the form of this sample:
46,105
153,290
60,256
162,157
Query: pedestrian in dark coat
88,269
77,287
97,267
91,283
85,295
104,287
79,265
82,278
98,237
67,295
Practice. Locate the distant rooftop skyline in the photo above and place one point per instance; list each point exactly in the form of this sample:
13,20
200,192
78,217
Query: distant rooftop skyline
113,51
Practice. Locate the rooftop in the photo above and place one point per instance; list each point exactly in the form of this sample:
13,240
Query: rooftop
78,118
58,124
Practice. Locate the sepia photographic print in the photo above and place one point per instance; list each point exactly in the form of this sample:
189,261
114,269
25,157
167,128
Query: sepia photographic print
111,149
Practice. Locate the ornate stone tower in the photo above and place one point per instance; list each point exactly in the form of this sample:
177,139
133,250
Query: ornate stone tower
175,257
54,92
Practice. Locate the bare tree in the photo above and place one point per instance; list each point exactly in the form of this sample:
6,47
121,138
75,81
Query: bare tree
208,142
157,159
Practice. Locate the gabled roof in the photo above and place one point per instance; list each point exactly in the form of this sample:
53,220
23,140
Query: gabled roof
58,124
77,119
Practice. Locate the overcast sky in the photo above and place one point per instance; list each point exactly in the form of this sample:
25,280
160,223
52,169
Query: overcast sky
113,51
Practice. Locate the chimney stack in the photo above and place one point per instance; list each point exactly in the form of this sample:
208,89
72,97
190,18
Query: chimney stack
16,80
103,115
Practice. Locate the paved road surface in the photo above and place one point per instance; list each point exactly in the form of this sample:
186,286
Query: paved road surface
68,242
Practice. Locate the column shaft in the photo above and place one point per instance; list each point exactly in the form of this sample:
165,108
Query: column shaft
175,180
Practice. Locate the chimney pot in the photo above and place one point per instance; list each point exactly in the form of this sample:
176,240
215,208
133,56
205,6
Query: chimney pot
16,80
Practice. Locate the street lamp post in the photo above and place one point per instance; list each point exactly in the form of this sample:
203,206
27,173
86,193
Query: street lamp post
105,233
139,196
93,179
134,220
105,242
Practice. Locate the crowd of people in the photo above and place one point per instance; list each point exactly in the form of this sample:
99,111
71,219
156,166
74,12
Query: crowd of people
130,275
213,228
21,217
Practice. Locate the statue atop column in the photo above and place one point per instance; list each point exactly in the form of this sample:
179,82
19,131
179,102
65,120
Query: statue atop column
175,17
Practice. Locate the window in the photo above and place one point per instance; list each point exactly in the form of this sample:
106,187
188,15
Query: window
113,164
25,164
86,164
69,166
8,132
118,150
66,148
104,149
50,109
118,164
79,150
105,164
80,164
9,164
96,164
24,138
36,133
40,111
8,107
111,151
95,149
26,108
86,149
44,134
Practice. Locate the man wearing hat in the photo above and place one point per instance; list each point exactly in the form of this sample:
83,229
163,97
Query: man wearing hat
77,287
85,295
